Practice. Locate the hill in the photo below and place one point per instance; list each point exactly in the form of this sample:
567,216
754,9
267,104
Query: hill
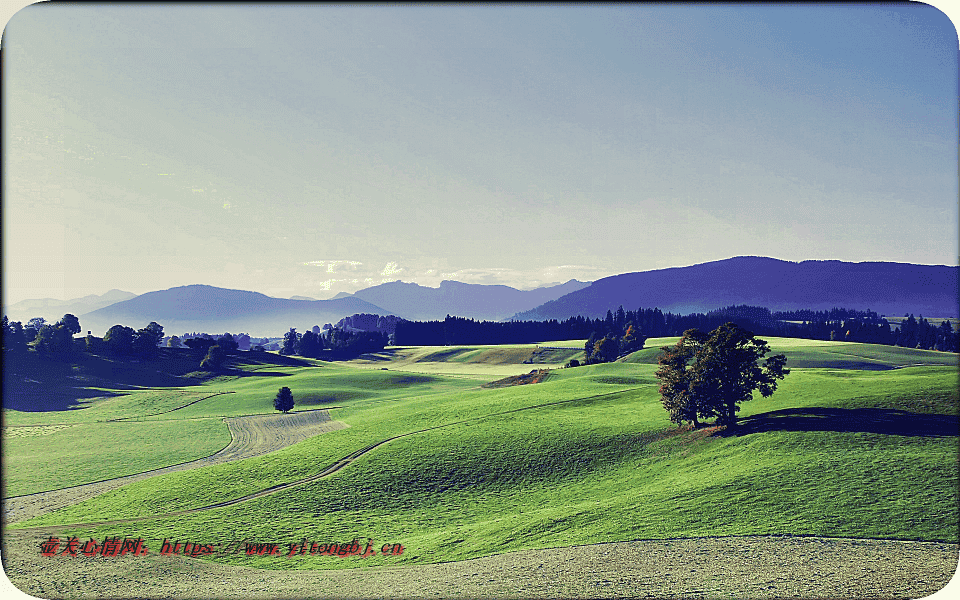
216,310
52,310
453,470
485,302
887,288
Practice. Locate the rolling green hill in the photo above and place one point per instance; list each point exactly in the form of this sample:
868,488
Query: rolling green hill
856,443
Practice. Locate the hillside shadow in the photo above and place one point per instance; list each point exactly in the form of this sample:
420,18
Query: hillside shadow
27,396
32,383
385,355
243,373
849,420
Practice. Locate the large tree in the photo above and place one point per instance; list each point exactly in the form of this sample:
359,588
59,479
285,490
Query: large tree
679,397
710,375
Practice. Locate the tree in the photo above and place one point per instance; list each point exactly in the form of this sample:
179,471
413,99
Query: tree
33,327
54,340
710,375
174,342
606,350
631,341
13,338
227,342
213,361
119,339
588,347
200,343
243,341
72,323
146,340
290,342
310,345
676,392
284,400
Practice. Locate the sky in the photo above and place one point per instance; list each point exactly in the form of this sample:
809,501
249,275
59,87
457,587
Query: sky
311,150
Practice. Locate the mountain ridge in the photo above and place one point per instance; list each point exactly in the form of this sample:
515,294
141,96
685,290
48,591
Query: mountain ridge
478,301
53,310
200,307
885,287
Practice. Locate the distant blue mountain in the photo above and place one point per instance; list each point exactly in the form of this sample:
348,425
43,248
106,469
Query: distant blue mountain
482,302
204,308
53,310
887,288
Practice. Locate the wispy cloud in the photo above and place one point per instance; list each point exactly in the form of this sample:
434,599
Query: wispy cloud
392,269
336,266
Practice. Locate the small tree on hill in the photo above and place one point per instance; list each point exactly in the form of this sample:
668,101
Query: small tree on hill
13,338
710,375
213,361
71,323
228,343
119,339
284,400
146,340
291,340
54,340
606,349
200,344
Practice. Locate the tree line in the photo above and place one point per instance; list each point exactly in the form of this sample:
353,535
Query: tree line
56,339
836,324
338,344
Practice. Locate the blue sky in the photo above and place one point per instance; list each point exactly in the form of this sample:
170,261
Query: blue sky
317,149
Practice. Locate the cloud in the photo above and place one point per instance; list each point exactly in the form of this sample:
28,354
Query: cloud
336,266
392,269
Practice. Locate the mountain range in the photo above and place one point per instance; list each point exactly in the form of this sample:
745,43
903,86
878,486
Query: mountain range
887,288
204,308
482,302
891,289
52,310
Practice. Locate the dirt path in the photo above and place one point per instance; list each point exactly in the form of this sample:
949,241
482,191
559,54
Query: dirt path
738,567
253,435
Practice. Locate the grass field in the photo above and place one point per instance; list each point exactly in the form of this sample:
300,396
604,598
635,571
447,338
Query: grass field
857,442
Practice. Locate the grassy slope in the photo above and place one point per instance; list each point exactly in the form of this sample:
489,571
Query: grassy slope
95,447
49,458
605,466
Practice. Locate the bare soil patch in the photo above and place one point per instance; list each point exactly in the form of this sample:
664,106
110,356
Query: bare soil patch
739,567
251,436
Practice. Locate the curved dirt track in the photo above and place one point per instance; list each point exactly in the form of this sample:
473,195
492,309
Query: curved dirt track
251,436
737,567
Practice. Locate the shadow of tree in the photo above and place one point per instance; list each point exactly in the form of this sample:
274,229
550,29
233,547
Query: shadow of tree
850,420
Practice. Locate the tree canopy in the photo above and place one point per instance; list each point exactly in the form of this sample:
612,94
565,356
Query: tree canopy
284,400
708,375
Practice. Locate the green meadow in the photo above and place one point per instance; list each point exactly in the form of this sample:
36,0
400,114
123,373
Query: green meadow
858,441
